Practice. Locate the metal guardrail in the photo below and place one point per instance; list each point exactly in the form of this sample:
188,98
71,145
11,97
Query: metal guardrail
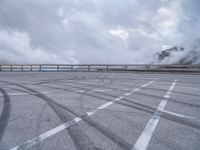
96,68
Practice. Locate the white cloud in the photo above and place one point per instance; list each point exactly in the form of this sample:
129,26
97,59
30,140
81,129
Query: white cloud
120,33
60,13
94,31
15,47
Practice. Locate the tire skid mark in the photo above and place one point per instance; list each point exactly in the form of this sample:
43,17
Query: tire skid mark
140,93
171,100
74,134
102,93
93,85
175,92
122,143
77,82
152,95
77,136
100,79
39,123
149,111
89,85
72,80
140,107
81,88
40,114
80,139
185,121
60,80
115,138
88,90
5,115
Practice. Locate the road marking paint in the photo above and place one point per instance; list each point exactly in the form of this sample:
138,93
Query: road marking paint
145,137
90,113
105,105
21,93
94,90
127,94
179,115
16,94
99,90
62,127
126,89
121,97
117,99
47,134
169,92
137,89
162,104
166,96
188,87
147,84
86,83
77,119
81,91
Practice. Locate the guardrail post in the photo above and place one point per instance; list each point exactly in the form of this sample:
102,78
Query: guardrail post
22,68
107,69
72,68
126,67
31,68
11,68
58,68
88,68
40,69
0,67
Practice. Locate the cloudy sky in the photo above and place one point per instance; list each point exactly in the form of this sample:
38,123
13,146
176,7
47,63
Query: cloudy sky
95,31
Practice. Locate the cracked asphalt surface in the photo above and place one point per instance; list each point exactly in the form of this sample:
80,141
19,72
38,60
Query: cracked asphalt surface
99,111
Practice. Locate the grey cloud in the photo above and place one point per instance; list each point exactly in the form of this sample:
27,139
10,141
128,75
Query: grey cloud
79,31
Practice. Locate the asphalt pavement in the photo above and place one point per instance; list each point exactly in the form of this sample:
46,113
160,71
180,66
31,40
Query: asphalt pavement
99,111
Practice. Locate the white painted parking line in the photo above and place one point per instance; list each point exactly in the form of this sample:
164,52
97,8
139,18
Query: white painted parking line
105,105
109,90
126,89
190,88
121,97
21,93
94,90
90,113
180,115
46,135
166,96
81,91
145,137
117,99
77,119
64,126
101,90
137,89
127,94
147,84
